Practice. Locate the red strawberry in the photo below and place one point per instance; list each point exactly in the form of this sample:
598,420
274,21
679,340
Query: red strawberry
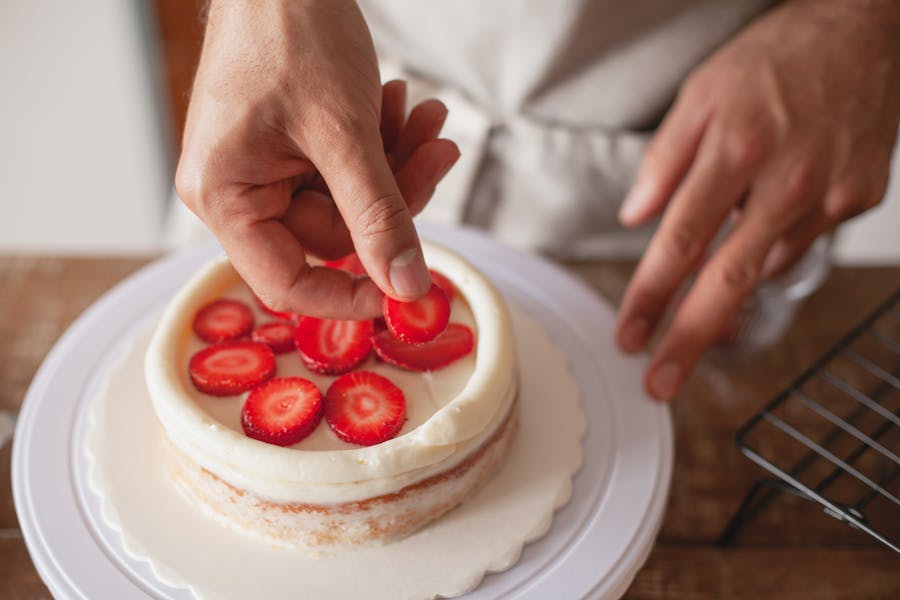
333,347
419,321
286,315
223,320
278,335
444,283
229,368
364,408
456,342
349,263
282,411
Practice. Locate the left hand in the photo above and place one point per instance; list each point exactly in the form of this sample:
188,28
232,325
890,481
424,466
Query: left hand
790,127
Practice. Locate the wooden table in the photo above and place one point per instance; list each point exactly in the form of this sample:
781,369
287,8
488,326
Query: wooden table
791,550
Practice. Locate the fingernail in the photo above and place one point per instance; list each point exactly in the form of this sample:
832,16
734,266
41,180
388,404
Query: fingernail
635,334
665,381
634,202
409,276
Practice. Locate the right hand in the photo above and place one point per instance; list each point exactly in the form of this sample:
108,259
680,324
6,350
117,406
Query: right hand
292,147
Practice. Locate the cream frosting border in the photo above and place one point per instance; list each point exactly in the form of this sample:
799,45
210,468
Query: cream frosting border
289,474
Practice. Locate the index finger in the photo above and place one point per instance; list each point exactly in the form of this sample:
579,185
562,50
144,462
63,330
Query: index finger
365,191
715,297
712,187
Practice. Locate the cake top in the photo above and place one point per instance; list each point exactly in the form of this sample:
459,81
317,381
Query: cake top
425,392
464,404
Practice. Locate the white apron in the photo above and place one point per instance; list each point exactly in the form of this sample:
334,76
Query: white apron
551,103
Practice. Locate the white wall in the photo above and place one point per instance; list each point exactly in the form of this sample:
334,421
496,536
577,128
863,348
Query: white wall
83,164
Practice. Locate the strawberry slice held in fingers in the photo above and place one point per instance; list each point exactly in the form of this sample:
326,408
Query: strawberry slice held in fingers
441,280
332,347
455,343
349,263
278,335
230,368
364,408
418,321
282,411
279,314
223,320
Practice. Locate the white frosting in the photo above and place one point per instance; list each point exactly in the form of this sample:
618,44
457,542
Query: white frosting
463,407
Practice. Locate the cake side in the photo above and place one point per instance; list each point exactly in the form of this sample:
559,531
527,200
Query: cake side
376,520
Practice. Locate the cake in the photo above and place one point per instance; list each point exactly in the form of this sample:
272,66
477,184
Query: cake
323,491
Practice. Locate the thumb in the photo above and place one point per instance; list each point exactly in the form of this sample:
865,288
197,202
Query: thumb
380,224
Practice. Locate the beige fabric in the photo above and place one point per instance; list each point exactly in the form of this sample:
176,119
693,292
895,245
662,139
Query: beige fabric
551,102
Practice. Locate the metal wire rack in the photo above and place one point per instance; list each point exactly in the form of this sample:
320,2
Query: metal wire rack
833,435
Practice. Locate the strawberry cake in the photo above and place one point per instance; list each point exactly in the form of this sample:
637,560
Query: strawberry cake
313,433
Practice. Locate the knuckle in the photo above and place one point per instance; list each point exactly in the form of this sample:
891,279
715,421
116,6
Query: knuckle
188,184
796,195
683,244
844,201
738,276
289,293
197,188
344,125
385,214
744,150
339,125
799,180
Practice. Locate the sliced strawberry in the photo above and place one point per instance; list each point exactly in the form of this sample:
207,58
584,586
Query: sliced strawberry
419,321
282,411
456,342
229,368
349,263
223,320
286,315
364,408
333,347
277,335
444,283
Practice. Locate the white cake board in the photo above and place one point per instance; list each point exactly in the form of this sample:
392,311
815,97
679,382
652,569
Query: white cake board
187,548
596,543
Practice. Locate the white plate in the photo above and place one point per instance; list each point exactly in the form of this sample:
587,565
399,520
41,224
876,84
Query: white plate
594,548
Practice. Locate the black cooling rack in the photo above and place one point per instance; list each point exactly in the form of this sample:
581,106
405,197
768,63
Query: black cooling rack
833,435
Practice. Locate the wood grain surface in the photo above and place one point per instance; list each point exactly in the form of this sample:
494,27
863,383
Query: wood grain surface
790,550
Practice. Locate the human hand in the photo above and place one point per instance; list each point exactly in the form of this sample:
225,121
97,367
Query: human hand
788,130
292,147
